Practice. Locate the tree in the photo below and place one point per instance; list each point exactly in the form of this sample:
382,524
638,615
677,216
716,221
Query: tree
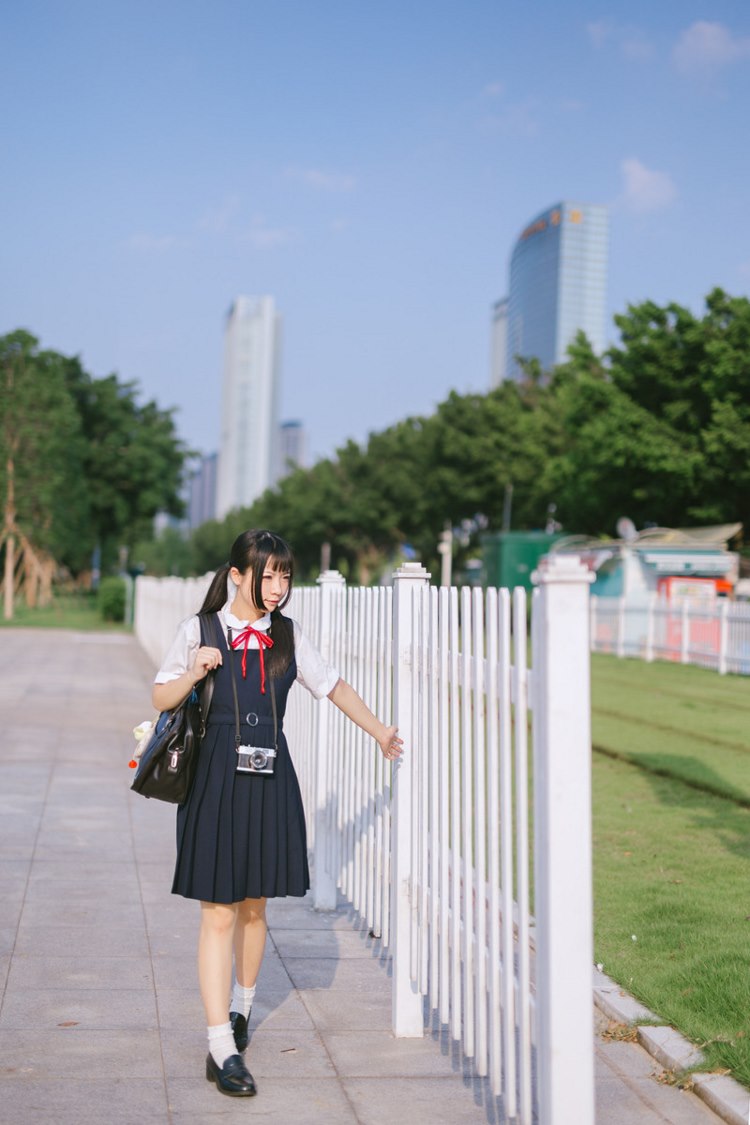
43,451
693,375
133,459
618,460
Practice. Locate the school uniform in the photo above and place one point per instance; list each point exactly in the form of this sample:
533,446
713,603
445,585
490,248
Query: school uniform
242,835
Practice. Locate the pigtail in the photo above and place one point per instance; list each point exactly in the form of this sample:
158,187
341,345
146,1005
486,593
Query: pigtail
217,591
282,634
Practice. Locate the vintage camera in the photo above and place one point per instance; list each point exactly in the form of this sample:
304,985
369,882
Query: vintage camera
255,759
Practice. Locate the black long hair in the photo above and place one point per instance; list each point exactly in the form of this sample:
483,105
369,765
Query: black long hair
257,551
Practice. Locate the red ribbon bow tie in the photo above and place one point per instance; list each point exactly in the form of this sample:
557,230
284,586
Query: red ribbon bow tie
264,641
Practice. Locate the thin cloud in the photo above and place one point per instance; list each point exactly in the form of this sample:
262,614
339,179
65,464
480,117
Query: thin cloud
599,31
645,189
704,48
637,48
494,89
217,220
324,180
263,236
630,41
517,120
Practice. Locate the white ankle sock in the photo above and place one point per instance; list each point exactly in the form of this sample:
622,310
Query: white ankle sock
242,999
221,1042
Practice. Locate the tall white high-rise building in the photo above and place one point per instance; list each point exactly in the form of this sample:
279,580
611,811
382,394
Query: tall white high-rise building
249,427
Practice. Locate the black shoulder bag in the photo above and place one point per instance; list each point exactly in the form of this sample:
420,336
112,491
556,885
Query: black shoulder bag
167,765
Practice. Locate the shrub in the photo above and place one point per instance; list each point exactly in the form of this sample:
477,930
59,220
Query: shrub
111,599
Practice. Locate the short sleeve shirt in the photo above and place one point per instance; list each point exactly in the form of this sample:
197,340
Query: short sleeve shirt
313,672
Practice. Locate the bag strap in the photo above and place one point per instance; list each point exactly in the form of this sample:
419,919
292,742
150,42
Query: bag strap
238,736
208,632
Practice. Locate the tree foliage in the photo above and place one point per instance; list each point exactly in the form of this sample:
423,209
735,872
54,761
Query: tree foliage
91,465
133,458
42,449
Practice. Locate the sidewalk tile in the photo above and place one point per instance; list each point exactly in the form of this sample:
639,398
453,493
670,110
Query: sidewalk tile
37,941
371,1011
322,944
418,1101
89,1101
71,1053
279,1101
351,975
79,972
370,1054
105,1009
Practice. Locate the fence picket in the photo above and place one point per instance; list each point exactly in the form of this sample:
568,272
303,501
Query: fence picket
523,994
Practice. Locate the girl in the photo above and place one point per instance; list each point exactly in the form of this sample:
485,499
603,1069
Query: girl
241,832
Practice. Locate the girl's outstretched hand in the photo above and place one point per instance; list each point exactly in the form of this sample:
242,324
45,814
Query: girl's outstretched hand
390,744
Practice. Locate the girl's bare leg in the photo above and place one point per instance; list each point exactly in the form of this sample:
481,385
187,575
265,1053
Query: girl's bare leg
249,940
218,923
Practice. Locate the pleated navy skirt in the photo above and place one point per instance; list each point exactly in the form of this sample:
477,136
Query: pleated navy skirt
242,835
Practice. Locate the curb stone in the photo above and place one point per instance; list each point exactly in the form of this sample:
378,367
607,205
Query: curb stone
671,1050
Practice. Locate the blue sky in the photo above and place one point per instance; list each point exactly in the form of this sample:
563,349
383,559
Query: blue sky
368,164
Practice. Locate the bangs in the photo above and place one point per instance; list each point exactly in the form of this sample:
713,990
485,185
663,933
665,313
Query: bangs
271,553
279,564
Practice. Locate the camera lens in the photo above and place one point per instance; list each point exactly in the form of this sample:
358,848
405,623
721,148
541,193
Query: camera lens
259,759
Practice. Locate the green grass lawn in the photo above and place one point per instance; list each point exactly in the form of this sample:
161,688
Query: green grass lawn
68,611
671,783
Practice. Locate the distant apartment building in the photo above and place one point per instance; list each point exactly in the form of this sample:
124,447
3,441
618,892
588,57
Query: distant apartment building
292,448
202,492
252,358
499,342
557,286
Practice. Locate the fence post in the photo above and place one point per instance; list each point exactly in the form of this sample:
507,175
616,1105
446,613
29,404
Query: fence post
407,1011
650,628
562,848
685,634
723,635
324,894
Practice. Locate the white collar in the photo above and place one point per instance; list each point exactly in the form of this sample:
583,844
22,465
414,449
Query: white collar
263,624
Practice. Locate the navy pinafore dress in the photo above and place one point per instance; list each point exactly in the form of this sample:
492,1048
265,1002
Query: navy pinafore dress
242,835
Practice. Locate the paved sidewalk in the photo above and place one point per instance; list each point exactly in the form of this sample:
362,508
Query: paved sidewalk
100,1017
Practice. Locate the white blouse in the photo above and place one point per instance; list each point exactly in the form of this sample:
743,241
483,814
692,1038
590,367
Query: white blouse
319,677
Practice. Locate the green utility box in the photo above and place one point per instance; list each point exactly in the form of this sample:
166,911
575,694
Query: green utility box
510,557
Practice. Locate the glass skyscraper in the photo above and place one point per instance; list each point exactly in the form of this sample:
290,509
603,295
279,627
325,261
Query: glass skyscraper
558,284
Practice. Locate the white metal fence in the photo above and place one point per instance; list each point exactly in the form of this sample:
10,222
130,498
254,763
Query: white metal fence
437,853
160,605
710,634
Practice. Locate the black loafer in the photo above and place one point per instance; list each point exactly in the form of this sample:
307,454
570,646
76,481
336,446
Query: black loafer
239,1027
233,1078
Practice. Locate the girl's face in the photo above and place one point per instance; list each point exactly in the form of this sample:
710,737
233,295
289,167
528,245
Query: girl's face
274,589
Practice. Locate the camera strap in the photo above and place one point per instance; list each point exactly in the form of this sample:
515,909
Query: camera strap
237,735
